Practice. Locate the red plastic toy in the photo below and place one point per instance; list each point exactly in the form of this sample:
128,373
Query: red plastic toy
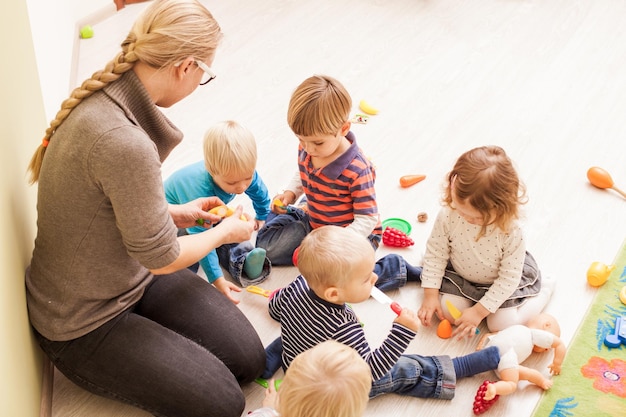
395,237
480,404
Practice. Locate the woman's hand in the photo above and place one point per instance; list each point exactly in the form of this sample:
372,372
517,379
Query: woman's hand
195,212
234,229
431,305
467,324
225,287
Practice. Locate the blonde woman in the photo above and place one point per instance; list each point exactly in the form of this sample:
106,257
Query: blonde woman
109,294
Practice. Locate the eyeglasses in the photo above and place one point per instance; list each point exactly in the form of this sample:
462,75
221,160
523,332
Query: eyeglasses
208,72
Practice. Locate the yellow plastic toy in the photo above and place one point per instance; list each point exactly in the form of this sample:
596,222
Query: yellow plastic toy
598,273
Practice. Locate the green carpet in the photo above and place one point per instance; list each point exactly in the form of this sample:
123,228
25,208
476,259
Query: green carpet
593,376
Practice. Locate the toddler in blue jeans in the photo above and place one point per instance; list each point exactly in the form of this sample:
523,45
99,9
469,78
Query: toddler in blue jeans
336,268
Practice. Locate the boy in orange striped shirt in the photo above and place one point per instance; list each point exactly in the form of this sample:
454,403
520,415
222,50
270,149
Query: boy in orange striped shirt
334,175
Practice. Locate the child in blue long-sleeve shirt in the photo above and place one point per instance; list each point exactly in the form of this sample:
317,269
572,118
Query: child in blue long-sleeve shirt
228,169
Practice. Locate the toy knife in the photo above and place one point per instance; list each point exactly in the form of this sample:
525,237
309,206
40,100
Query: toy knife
383,298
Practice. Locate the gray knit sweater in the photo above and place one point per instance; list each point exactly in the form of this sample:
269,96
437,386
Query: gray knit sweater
103,219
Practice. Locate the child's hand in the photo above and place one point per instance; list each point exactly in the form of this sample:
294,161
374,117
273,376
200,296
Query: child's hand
271,395
408,318
431,305
258,224
467,324
285,198
225,287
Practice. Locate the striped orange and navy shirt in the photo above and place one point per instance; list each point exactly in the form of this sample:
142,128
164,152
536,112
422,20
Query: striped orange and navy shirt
340,190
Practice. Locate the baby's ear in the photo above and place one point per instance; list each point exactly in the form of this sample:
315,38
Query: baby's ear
331,294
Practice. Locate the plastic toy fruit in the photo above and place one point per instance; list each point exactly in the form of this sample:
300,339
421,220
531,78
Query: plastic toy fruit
86,32
600,178
395,237
454,312
222,211
408,180
444,330
480,404
598,273
367,108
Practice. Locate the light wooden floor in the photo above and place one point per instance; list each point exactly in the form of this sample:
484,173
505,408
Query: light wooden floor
544,80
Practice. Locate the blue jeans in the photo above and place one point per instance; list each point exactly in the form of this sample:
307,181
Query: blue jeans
182,350
413,375
283,233
418,376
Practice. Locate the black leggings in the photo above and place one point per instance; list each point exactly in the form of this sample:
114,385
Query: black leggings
182,350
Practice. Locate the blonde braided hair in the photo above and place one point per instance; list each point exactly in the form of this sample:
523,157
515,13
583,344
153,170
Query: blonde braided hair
167,32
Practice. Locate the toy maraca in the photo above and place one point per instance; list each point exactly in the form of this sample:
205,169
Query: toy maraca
598,177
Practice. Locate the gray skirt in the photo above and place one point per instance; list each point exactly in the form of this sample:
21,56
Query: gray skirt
529,285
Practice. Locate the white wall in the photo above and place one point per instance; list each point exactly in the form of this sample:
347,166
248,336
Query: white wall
53,25
22,121
36,41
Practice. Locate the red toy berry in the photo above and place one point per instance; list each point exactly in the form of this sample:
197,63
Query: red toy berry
395,237
480,404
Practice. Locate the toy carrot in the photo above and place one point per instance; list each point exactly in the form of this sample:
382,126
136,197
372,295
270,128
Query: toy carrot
408,180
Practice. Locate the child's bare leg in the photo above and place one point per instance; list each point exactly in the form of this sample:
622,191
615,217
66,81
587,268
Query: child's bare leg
534,376
507,384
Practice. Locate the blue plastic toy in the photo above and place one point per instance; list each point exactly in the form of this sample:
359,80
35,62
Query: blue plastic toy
619,336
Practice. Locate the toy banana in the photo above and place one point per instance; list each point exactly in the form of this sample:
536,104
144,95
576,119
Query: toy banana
622,295
367,108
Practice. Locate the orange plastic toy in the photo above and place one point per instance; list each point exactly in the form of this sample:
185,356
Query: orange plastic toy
444,330
222,211
600,178
409,180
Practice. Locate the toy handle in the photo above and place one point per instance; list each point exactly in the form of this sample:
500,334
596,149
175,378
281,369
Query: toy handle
397,308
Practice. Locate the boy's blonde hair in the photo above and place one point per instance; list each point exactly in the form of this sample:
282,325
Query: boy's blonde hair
485,178
229,149
319,106
167,32
329,254
328,380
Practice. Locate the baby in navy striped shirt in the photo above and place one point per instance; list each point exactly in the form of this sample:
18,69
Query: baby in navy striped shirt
336,267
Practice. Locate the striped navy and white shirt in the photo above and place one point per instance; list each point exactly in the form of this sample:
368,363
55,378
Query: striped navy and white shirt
307,320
